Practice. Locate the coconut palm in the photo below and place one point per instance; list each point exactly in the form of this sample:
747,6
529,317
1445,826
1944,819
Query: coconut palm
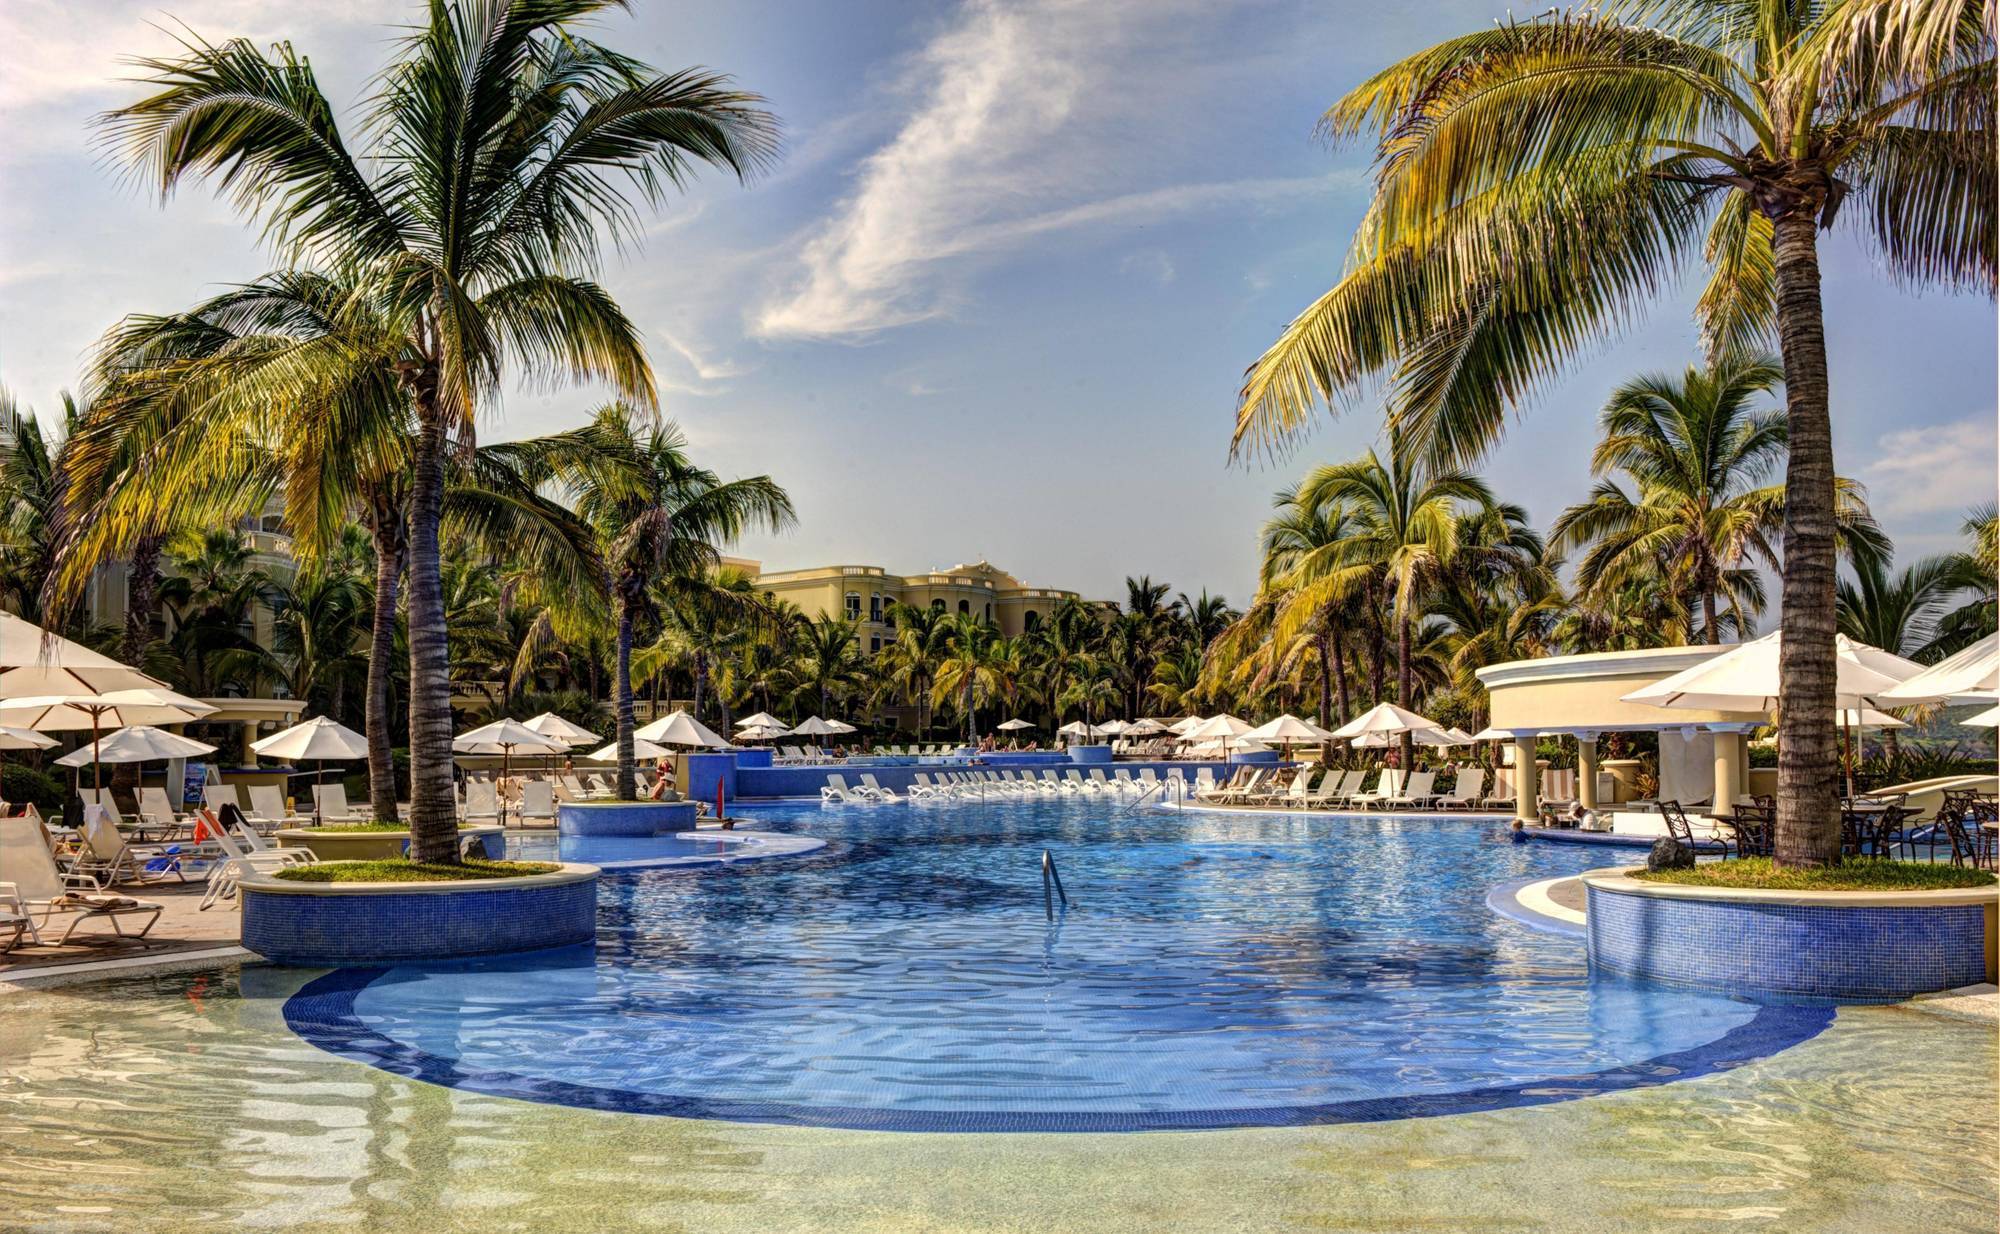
1900,612
1406,531
505,151
1699,511
979,670
663,521
909,664
31,485
1541,180
827,662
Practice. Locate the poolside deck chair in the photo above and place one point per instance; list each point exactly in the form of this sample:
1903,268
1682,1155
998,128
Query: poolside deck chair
1324,793
1503,789
599,786
836,790
538,799
1099,782
1339,788
922,788
1122,780
1464,792
1275,789
267,807
35,884
155,808
1204,782
107,857
482,799
216,796
1420,791
1240,790
1387,785
249,857
875,788
331,799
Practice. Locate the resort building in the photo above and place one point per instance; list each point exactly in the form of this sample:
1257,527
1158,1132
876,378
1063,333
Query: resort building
865,594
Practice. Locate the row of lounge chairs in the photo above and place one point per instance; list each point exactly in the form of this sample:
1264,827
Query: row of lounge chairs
942,785
1312,788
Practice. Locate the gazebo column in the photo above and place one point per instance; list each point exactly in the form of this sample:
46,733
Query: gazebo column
1730,773
1586,770
1527,789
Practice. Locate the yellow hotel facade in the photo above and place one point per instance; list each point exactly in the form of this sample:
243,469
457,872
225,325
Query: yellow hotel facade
864,594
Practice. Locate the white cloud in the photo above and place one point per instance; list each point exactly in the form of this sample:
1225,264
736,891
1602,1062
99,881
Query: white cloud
1940,467
1026,119
1152,264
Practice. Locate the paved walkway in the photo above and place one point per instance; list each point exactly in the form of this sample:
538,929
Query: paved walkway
182,927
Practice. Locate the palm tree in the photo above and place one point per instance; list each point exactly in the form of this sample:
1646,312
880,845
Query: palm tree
827,662
1539,181
1700,513
1900,613
909,664
506,146
1406,530
31,486
979,671
662,519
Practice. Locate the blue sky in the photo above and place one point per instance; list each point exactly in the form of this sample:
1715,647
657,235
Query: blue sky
997,298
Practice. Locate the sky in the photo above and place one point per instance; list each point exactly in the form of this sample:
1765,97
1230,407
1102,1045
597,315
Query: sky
997,297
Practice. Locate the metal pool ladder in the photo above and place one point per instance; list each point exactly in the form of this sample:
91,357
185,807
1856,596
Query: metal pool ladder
1052,887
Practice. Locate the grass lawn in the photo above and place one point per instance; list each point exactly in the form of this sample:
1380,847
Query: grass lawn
1758,873
401,871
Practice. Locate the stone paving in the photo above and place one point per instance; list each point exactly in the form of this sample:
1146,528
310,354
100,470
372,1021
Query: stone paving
182,927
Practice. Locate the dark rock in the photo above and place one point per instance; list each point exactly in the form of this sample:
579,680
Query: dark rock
1668,853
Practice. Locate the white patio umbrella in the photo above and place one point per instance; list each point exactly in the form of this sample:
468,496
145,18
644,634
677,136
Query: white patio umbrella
813,726
640,749
319,740
554,727
762,719
840,726
1745,678
678,728
24,739
1493,734
1418,736
1989,718
1183,726
1969,676
140,743
1386,719
1221,727
1459,736
1144,728
1288,729
1079,728
1010,726
144,705
34,662
762,732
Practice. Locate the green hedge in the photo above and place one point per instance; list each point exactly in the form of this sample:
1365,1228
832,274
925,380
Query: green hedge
24,785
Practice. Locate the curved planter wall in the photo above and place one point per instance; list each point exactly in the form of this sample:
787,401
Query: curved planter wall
624,818
1090,756
332,925
378,845
1845,946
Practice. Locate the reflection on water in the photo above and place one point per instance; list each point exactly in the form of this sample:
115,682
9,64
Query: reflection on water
180,1103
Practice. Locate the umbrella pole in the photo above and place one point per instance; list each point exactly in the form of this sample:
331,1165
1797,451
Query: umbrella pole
1847,754
96,768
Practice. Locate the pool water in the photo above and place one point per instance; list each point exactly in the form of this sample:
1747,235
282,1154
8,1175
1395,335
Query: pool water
1211,971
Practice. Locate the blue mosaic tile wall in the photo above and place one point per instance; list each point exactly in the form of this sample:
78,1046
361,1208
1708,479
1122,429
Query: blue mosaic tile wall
754,783
330,931
1844,954
625,818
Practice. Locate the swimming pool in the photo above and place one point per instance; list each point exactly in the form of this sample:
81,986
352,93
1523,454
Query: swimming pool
1213,971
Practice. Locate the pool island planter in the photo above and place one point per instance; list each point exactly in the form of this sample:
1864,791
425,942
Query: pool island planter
1845,946
625,818
338,925
331,845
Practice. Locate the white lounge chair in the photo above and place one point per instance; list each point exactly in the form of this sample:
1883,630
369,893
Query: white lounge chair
1503,789
35,883
251,857
332,802
155,808
876,789
267,806
836,790
216,796
1386,786
1241,791
482,800
538,799
1464,790
1418,792
108,858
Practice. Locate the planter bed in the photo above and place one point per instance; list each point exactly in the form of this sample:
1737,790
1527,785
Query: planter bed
334,844
336,924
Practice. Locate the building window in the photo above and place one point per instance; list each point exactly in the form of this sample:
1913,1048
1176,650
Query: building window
853,605
989,610
874,607
965,606
874,643
1031,620
937,606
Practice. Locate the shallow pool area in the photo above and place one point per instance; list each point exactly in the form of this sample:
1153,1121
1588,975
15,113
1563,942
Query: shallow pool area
907,978
1208,972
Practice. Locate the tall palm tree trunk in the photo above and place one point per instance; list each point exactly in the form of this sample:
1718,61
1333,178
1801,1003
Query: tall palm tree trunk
1403,746
386,529
1325,680
433,804
1377,642
628,765
1340,677
1808,830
